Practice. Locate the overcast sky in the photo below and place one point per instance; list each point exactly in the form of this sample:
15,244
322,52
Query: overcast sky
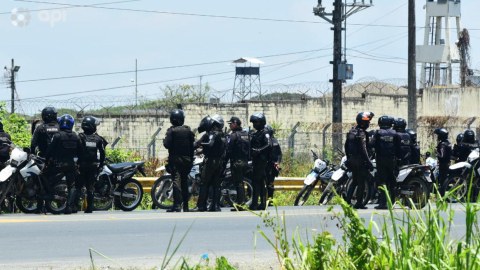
90,41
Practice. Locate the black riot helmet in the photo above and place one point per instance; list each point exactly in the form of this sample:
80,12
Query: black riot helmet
204,124
386,122
49,114
460,138
469,136
364,118
177,117
399,124
89,124
413,135
442,134
260,119
270,130
216,121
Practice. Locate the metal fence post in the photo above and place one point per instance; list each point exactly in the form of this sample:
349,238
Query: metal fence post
291,139
151,145
115,142
323,140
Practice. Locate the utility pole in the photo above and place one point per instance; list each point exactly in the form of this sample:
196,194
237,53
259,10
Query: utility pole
12,72
136,91
341,71
12,85
412,68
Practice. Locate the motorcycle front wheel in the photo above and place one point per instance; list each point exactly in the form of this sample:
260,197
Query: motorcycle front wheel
232,198
102,201
457,183
131,195
303,195
162,192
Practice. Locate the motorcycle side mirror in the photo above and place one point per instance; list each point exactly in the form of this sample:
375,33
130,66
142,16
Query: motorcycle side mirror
27,150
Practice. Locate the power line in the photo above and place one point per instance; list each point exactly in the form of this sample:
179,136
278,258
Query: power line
221,16
160,68
99,4
124,86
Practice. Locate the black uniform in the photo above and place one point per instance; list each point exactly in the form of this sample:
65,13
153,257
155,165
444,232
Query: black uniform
415,157
89,167
444,152
261,144
238,152
405,147
387,149
41,139
43,136
358,161
271,170
179,142
214,148
65,146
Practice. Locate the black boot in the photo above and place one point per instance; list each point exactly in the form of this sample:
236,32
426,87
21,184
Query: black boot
177,198
76,200
40,207
382,201
255,193
263,198
240,199
89,202
202,200
215,205
70,198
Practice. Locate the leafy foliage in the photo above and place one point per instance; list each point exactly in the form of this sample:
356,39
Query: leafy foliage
16,126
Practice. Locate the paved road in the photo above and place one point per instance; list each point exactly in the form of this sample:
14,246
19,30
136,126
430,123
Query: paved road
140,238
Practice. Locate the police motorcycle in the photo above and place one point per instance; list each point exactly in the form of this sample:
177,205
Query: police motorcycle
433,164
320,172
460,175
162,189
21,179
337,182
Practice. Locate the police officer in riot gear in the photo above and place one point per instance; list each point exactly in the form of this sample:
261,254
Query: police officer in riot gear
357,156
273,166
458,153
405,142
469,142
261,147
65,146
444,152
238,152
415,156
5,146
387,148
213,143
91,165
179,142
42,136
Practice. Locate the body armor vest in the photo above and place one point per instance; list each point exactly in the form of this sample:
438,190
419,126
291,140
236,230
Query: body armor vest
182,141
66,149
385,146
241,149
405,143
90,146
47,130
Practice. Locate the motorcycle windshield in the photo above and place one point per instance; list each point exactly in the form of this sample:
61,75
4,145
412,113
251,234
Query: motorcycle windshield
6,173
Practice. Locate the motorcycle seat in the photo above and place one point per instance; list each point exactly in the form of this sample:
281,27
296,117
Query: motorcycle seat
120,167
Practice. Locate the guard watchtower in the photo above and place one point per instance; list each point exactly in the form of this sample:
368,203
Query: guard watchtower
438,52
247,78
